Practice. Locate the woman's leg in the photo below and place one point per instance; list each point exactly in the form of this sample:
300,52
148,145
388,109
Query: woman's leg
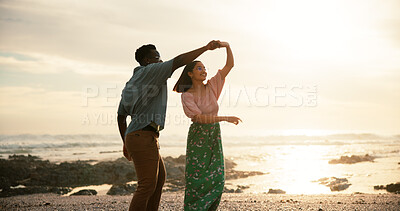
204,167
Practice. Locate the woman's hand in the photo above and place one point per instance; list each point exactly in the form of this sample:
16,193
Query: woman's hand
126,154
233,119
223,44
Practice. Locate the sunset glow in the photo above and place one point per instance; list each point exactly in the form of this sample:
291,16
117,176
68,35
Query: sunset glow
312,81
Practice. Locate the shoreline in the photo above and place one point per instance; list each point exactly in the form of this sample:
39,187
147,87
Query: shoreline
229,201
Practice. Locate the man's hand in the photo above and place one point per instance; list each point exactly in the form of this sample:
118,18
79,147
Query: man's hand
126,154
213,45
186,58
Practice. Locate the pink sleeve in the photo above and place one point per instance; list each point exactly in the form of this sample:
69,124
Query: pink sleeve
216,84
189,106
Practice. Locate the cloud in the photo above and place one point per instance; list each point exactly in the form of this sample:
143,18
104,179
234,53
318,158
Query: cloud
45,64
50,51
103,31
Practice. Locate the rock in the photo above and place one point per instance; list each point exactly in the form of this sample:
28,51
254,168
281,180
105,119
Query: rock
227,190
238,190
17,168
33,190
379,187
392,188
118,171
87,192
353,159
176,169
334,183
276,191
122,189
339,187
243,187
233,174
229,164
32,171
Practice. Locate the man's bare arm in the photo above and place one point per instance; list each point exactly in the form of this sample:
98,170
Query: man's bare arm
188,57
122,126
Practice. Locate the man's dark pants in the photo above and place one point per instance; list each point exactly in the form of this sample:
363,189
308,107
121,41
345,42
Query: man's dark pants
143,147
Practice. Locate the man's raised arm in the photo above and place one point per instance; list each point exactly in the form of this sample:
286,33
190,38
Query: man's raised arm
188,57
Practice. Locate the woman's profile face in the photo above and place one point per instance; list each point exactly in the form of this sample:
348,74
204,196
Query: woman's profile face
199,72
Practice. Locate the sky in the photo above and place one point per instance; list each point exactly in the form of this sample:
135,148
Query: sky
301,67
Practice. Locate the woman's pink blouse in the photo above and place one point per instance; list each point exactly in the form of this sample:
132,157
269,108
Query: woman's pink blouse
207,104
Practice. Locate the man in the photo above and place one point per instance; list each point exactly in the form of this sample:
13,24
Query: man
144,98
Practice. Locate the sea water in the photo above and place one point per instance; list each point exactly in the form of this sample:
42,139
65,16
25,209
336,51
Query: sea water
293,164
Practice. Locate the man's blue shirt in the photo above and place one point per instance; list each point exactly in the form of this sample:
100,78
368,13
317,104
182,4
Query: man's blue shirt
144,97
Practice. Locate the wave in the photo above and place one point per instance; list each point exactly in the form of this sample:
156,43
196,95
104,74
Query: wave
344,136
333,139
59,137
45,141
27,143
63,137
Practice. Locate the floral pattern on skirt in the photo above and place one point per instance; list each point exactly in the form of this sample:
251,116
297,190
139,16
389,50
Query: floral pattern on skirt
204,174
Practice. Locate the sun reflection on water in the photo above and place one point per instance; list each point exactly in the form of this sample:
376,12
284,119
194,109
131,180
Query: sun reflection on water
289,168
300,166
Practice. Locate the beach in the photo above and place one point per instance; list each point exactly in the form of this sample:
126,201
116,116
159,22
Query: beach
229,201
342,163
269,173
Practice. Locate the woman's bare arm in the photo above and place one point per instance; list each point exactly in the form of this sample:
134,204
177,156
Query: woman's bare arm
208,119
229,60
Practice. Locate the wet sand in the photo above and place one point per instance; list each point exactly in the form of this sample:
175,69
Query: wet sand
229,201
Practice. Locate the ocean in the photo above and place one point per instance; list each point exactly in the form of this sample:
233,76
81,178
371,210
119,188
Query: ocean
294,164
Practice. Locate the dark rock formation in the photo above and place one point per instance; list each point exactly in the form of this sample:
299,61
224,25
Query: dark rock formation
334,183
33,190
353,159
87,192
31,171
276,191
239,189
175,167
122,189
392,188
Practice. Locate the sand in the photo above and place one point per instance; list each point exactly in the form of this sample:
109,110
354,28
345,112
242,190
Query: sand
230,201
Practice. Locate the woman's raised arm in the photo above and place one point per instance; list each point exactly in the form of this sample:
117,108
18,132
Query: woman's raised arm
229,60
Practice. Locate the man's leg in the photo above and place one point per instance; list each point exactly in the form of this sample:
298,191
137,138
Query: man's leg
142,146
154,200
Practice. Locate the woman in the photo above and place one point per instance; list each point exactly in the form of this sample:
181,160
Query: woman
204,172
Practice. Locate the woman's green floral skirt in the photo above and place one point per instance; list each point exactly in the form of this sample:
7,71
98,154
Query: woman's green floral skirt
204,173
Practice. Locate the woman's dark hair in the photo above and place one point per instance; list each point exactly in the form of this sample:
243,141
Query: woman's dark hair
185,82
143,51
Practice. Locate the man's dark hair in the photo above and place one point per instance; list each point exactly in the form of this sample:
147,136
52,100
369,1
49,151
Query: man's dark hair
142,52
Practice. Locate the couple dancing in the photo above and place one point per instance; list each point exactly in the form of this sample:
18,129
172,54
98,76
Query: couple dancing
144,98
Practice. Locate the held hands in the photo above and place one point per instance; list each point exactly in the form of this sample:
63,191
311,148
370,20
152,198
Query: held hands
126,154
233,119
213,45
216,44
